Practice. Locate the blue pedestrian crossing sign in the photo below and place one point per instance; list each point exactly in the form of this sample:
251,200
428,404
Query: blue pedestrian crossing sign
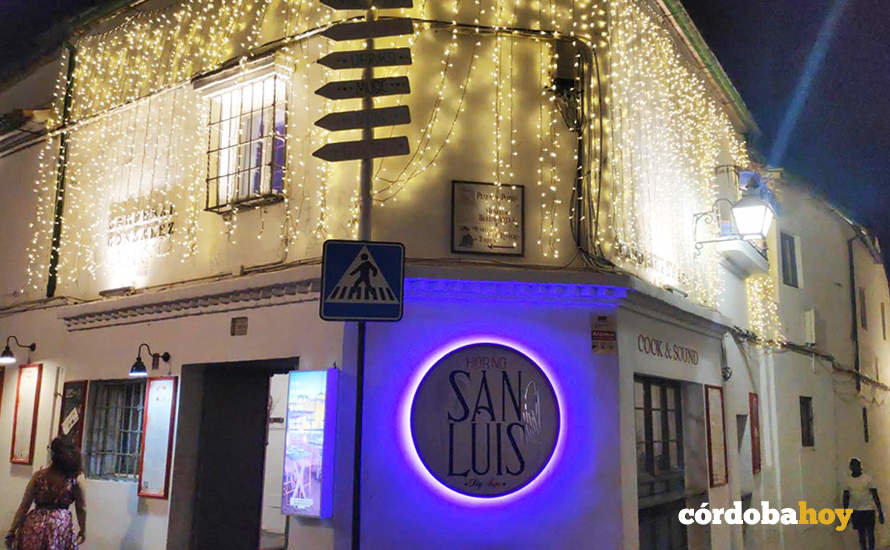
362,281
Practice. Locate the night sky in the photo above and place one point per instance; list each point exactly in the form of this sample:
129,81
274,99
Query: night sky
841,141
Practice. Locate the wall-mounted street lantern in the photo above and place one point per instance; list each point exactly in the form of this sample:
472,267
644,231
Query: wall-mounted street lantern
7,357
138,369
752,218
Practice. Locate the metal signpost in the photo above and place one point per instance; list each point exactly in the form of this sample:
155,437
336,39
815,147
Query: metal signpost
352,120
372,288
361,59
369,29
365,88
366,4
354,150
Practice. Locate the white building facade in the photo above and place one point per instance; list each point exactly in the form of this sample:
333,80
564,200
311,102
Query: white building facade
565,202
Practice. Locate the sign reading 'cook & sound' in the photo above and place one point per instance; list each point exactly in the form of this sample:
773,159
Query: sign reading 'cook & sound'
667,350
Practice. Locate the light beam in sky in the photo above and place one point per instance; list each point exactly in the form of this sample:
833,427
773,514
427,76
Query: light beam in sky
805,83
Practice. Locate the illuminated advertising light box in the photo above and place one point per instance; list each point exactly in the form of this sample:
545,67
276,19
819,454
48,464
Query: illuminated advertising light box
309,444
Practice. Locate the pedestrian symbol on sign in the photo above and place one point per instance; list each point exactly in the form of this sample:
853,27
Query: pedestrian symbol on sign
362,283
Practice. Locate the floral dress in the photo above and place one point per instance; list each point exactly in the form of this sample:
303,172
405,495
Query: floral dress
49,525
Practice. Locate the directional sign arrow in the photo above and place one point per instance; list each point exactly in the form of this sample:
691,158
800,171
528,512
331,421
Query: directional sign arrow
366,149
351,120
365,4
349,89
370,29
361,58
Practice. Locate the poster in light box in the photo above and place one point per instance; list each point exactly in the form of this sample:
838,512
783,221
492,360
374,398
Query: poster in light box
716,436
157,437
309,443
24,424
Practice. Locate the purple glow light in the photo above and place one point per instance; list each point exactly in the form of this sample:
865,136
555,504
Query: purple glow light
407,441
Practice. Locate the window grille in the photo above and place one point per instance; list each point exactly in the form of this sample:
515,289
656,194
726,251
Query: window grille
246,145
115,433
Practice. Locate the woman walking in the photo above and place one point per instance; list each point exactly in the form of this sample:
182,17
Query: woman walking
52,490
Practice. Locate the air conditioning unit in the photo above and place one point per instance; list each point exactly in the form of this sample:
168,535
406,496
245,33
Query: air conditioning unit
809,327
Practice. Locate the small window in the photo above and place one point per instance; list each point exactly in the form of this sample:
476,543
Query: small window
883,322
659,436
789,260
807,438
863,310
246,145
865,423
115,432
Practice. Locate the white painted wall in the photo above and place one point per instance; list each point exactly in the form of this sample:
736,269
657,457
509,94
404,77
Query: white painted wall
816,474
117,517
33,91
17,171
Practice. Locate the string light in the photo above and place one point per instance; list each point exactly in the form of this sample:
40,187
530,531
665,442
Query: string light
763,307
665,142
138,132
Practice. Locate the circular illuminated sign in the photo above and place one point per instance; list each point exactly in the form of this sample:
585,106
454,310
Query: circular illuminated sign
485,420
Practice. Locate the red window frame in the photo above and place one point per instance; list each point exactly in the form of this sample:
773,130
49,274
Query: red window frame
754,414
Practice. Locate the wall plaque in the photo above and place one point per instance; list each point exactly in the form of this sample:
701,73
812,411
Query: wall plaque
485,420
487,218
74,397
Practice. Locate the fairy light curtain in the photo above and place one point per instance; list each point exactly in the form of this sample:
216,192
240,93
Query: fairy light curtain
664,133
137,134
666,140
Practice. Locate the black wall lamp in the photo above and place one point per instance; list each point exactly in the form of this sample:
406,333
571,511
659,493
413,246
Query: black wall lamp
138,369
7,357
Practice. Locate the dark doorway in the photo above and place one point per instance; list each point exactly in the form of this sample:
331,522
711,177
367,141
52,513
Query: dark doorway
231,455
660,463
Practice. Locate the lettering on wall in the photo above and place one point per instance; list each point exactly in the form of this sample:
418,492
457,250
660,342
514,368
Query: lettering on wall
664,267
144,224
665,349
485,420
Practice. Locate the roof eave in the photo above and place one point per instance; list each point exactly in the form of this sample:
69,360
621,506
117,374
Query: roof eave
681,21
